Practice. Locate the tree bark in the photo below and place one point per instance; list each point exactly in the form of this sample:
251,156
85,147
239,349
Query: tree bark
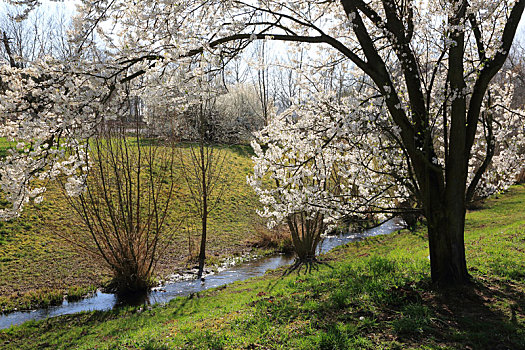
204,184
202,253
445,212
447,250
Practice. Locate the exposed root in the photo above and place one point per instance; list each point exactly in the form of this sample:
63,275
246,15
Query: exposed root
308,264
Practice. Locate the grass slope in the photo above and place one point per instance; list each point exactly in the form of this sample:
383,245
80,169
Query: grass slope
38,268
376,294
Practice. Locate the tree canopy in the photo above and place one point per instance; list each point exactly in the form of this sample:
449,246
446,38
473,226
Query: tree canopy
417,99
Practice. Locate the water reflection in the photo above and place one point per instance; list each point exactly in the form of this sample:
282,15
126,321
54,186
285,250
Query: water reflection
132,299
106,301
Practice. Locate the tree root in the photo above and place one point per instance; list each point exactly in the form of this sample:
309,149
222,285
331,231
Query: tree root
309,265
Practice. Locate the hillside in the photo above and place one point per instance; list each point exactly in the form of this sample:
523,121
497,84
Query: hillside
367,295
38,267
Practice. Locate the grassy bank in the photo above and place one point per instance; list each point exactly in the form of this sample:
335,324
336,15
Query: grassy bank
369,295
37,267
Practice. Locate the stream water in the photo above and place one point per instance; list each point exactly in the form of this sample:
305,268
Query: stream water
107,301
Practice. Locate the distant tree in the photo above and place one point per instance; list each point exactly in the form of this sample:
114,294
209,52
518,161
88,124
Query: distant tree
203,168
231,116
237,114
39,34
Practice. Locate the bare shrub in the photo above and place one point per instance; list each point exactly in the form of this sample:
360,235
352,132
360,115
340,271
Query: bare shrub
125,206
278,238
203,170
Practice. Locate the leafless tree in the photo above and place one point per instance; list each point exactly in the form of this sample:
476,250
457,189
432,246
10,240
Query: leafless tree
126,205
39,34
203,171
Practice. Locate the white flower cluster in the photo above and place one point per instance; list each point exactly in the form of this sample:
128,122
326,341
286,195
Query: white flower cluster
46,114
326,157
502,128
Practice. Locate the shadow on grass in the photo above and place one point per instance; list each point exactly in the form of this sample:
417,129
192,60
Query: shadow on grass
297,268
181,304
482,315
382,302
306,267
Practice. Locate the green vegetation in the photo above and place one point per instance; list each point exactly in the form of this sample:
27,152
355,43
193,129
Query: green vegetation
38,268
368,295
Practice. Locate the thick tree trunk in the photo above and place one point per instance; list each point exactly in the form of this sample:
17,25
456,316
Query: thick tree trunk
447,250
445,209
445,215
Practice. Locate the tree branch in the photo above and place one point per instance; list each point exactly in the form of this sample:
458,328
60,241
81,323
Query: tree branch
489,70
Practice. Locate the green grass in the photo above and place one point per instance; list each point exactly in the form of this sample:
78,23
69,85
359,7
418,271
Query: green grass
374,294
37,267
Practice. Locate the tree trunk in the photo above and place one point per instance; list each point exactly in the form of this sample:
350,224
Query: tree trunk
446,224
444,204
306,234
202,253
204,173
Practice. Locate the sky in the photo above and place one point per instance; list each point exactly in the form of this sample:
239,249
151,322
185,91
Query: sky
69,7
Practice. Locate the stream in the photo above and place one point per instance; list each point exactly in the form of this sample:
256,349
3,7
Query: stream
107,301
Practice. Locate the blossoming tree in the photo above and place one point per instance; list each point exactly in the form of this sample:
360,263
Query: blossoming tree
426,64
331,158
